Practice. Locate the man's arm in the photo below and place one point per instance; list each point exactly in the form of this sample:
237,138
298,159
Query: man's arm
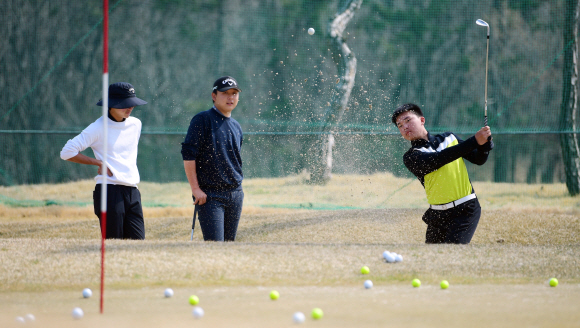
83,159
480,154
191,173
72,149
421,163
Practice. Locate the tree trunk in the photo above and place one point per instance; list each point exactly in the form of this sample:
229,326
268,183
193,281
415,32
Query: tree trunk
569,113
321,163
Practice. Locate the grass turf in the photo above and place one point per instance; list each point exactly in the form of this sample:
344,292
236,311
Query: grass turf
526,235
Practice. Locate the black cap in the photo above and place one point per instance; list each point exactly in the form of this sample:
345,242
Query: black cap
122,95
225,83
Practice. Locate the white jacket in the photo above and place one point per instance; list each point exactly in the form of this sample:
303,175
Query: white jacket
123,139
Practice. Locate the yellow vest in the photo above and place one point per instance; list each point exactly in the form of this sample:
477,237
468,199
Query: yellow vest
450,182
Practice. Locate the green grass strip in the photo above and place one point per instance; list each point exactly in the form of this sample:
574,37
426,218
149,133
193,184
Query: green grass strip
37,203
51,202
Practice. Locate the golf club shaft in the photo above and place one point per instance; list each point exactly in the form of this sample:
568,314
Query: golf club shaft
193,224
486,69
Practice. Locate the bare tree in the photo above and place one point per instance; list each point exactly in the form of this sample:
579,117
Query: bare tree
321,166
569,119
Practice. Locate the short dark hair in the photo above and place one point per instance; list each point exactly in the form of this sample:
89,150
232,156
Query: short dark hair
406,108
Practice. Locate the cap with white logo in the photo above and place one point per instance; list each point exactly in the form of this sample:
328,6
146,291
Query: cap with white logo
225,83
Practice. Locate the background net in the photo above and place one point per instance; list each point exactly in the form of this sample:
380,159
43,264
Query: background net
428,52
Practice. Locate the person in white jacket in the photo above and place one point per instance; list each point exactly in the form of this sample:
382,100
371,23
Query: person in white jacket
124,211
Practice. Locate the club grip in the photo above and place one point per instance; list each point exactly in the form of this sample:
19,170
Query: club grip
485,124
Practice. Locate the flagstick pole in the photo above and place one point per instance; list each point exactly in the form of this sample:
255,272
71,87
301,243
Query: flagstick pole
104,170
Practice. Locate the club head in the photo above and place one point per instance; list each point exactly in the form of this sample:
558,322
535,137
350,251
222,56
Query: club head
481,22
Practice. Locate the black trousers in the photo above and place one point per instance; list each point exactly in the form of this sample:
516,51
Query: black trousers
124,212
453,226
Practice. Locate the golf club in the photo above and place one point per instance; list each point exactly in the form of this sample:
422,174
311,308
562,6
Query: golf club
481,22
193,224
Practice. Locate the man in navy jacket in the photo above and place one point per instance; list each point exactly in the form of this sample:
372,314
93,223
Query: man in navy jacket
213,163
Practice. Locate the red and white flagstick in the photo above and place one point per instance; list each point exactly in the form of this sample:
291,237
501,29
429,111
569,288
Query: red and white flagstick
104,171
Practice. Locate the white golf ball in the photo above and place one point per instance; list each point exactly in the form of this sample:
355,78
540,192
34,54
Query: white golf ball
77,313
87,293
20,319
390,258
197,312
399,258
385,253
311,31
368,284
298,317
168,292
30,317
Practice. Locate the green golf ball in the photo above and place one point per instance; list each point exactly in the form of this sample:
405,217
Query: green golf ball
416,282
444,284
193,300
274,295
553,282
317,314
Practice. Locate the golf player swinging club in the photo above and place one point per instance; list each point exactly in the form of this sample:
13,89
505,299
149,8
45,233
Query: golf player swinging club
481,22
438,161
